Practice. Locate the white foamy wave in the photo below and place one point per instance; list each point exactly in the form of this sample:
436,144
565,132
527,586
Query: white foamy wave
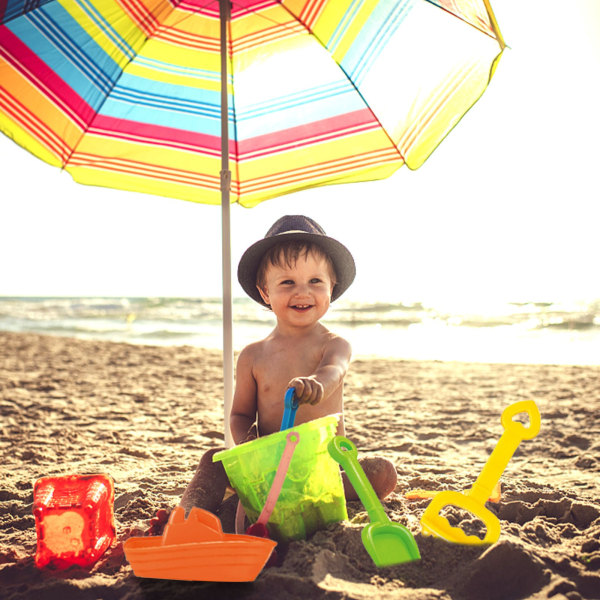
531,332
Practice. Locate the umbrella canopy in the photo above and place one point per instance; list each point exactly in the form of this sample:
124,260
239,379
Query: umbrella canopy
125,93
130,93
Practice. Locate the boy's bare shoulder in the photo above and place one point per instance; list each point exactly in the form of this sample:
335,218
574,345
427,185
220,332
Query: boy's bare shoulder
331,339
252,353
338,347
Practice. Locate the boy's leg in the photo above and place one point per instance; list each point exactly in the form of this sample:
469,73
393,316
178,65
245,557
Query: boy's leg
205,490
207,487
379,471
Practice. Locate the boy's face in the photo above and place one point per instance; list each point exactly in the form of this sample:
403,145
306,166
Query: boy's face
299,295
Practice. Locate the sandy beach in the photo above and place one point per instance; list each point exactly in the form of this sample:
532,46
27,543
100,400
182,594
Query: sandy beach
144,415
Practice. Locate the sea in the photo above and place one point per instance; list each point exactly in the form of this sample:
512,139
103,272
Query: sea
512,332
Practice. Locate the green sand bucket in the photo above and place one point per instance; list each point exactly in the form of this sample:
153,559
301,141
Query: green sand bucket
312,495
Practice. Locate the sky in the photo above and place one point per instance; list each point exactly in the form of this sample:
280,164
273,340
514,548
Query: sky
506,209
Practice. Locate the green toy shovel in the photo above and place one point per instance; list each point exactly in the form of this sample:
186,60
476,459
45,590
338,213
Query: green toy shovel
387,543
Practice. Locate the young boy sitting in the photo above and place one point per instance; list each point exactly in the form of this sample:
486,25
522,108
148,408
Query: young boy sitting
296,271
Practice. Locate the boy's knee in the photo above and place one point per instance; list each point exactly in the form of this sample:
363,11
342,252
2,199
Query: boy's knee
212,470
207,487
380,472
207,458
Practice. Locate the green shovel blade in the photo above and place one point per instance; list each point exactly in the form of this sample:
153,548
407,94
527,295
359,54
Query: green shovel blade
389,544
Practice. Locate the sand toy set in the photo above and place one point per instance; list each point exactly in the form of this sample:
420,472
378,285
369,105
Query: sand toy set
289,485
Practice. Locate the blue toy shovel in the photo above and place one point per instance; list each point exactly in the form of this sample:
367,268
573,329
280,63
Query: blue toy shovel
387,543
289,410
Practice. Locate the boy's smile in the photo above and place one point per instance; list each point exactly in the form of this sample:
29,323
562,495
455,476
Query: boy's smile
300,294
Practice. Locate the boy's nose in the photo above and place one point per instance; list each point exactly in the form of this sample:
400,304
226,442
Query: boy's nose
301,289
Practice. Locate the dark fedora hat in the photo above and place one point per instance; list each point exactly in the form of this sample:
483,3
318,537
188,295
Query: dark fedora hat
296,228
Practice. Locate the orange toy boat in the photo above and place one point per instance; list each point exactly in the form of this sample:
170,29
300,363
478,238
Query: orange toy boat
196,549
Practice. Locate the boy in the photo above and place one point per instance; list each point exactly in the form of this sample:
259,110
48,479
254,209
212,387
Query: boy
296,271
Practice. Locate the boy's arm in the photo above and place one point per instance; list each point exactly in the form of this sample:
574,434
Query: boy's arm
328,376
243,410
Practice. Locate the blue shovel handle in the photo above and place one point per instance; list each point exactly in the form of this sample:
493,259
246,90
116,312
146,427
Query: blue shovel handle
289,410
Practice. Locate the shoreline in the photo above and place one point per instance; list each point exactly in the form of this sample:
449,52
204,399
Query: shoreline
505,332
145,414
357,355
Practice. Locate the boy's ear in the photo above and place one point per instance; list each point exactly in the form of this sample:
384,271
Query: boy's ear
263,294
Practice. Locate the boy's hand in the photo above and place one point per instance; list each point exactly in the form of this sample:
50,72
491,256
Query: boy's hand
251,435
308,390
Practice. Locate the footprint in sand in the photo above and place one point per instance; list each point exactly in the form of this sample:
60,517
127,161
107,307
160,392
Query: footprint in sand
561,510
578,441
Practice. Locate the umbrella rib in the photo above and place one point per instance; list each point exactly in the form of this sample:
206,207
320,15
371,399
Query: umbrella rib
495,28
295,21
109,91
494,23
352,83
149,26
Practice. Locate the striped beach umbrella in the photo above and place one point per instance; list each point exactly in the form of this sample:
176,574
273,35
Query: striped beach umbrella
217,102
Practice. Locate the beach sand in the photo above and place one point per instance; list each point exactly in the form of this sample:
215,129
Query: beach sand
145,415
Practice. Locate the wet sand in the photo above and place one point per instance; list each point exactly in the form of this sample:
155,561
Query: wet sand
145,415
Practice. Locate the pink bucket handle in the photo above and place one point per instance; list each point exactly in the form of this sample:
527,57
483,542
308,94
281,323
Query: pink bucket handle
292,438
240,518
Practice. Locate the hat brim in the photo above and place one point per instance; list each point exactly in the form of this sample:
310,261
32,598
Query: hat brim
343,262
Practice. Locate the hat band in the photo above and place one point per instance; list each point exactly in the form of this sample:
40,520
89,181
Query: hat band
294,231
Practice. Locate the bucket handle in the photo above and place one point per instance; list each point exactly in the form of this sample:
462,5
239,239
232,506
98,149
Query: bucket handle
293,437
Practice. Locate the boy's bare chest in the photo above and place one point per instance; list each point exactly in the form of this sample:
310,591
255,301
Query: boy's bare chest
273,371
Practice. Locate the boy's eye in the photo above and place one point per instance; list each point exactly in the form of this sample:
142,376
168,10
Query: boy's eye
315,280
287,282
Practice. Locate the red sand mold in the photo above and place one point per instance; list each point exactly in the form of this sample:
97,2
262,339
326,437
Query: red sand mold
74,519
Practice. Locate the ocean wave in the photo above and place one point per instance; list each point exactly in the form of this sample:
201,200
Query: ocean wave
380,307
373,321
166,334
548,332
182,316
583,322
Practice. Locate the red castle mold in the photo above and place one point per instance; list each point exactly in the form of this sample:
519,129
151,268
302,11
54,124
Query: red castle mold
74,519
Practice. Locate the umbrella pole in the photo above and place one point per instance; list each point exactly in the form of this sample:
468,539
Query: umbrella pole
224,11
